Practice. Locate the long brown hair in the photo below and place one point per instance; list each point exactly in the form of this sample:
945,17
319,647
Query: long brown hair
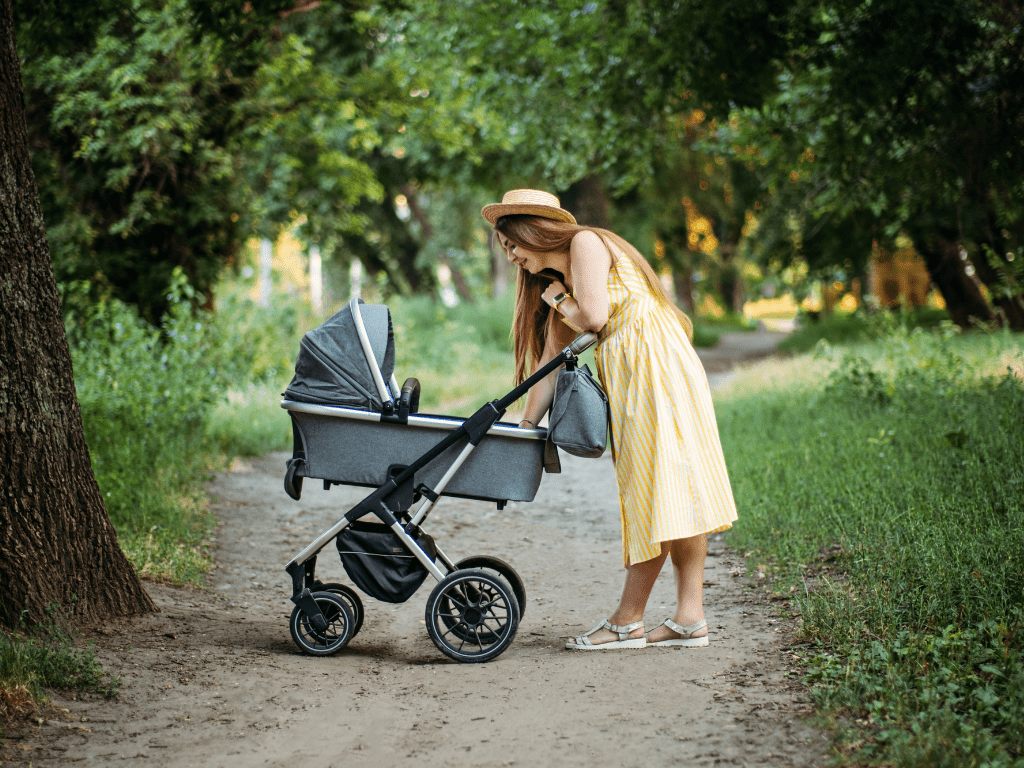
530,323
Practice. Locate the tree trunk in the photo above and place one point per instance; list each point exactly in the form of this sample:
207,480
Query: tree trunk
682,280
57,545
585,199
459,279
1005,295
963,298
730,284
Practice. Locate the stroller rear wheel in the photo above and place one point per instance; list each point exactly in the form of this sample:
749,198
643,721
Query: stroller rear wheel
503,569
472,616
339,626
351,598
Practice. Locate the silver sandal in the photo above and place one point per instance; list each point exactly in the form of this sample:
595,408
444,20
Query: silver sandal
582,642
685,635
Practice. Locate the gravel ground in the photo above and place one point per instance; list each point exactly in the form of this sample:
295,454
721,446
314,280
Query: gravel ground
215,680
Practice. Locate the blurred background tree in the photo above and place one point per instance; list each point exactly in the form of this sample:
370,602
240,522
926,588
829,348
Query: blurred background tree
805,135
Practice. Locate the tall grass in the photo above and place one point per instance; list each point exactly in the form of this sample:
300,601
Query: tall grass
886,486
146,394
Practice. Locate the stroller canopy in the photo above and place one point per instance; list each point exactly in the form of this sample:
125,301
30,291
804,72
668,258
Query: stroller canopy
332,368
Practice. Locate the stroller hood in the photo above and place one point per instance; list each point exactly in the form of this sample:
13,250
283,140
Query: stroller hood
332,368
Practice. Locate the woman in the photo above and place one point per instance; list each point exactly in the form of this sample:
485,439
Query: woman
673,486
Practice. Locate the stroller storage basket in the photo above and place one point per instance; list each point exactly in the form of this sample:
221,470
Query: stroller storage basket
352,425
354,447
379,564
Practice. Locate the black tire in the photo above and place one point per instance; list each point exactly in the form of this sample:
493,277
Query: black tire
503,569
351,598
339,626
450,614
472,616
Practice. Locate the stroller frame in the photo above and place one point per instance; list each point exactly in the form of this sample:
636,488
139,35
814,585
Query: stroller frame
468,595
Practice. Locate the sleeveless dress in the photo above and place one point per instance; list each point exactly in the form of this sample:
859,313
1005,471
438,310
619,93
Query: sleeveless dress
669,466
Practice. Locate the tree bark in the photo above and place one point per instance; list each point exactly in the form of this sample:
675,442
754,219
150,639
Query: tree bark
585,199
964,302
682,280
57,545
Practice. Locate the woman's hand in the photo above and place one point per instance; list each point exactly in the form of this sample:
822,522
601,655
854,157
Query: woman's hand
554,288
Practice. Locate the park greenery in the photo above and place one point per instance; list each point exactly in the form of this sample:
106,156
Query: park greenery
744,147
881,487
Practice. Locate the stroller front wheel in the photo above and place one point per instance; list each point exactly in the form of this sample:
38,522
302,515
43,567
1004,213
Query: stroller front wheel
472,616
340,625
351,598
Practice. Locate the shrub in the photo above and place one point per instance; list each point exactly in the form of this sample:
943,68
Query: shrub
146,394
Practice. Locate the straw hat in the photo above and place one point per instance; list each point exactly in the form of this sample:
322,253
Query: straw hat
533,202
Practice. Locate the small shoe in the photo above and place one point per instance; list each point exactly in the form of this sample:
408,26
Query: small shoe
582,642
685,635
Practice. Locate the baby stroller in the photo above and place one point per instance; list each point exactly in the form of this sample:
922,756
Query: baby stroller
353,425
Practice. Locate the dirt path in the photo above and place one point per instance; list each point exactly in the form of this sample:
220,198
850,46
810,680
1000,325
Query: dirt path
214,679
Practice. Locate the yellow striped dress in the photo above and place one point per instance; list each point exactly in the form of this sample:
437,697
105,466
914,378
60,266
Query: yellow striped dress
669,466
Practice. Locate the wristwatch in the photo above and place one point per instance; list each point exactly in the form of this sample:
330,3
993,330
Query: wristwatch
559,299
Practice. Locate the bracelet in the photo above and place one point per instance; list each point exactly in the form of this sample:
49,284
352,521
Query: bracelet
529,422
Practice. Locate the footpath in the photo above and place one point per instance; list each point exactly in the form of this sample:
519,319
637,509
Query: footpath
214,679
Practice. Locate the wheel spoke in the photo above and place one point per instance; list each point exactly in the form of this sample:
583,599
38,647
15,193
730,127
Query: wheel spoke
452,629
476,634
496,616
451,599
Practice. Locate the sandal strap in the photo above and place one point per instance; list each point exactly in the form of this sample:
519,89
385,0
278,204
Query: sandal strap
622,630
688,630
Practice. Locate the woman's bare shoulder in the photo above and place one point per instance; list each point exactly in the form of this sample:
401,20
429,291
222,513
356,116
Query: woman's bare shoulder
589,245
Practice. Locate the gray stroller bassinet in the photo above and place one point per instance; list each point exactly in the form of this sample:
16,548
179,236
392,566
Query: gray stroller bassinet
353,425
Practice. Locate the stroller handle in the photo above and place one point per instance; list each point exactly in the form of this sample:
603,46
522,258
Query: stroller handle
582,343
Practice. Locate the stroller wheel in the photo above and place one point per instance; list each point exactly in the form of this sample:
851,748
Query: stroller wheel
472,616
503,569
339,626
351,598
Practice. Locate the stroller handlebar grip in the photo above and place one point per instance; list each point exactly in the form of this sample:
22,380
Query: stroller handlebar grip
582,343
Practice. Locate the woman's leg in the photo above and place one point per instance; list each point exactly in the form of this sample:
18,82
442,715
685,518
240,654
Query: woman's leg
688,557
640,578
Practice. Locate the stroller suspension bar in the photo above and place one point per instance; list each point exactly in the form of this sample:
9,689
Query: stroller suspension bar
399,491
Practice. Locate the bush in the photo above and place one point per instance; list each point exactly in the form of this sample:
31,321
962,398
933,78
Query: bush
146,394
890,494
849,327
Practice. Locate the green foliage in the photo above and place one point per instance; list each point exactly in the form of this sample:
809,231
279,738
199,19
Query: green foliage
891,494
131,154
46,657
704,335
850,327
866,136
146,394
250,421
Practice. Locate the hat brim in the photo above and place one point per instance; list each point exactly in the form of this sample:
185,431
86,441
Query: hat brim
495,211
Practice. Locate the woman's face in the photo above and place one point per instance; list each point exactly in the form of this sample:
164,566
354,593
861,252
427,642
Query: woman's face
531,261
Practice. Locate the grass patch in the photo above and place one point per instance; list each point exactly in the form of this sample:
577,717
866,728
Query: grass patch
886,486
250,422
45,657
146,394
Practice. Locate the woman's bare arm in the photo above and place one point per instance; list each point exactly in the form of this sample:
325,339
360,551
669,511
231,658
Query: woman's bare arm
589,260
538,400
